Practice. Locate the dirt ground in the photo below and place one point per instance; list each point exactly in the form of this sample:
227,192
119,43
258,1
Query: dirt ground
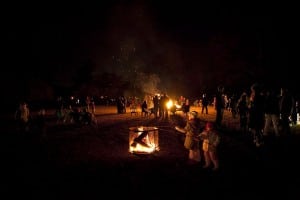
92,162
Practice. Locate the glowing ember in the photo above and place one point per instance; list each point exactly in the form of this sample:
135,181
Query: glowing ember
143,140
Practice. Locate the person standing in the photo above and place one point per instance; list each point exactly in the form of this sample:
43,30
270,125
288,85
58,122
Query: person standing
256,114
155,105
191,142
271,113
211,140
163,110
186,107
144,108
93,106
219,103
286,109
242,110
204,104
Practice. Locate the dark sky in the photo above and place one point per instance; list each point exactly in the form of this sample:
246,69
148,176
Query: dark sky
188,44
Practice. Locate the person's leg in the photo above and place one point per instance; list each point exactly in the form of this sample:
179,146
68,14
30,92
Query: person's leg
285,125
259,137
268,122
207,159
214,159
275,121
196,155
192,158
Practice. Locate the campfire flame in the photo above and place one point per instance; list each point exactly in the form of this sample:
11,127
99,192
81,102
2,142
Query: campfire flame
143,139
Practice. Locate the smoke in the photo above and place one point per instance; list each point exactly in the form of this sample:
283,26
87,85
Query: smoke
148,83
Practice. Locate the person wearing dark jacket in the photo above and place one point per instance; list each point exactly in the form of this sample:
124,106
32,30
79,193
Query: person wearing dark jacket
256,114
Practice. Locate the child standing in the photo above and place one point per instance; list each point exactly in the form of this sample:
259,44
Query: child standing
191,131
211,140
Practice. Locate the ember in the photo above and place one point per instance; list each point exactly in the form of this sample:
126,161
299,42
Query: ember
143,140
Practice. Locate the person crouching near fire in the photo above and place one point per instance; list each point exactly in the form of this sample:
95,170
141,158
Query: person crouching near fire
210,141
191,142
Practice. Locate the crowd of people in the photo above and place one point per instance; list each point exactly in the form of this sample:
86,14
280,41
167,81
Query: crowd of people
65,113
262,113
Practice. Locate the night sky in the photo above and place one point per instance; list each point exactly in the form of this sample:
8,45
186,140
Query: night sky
190,46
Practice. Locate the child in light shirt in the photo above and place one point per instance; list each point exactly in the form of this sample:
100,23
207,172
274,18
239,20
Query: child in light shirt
210,141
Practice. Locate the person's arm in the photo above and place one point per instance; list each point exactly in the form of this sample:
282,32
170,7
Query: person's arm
179,129
203,135
217,141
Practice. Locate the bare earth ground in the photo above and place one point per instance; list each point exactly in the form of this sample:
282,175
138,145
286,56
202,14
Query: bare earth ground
88,162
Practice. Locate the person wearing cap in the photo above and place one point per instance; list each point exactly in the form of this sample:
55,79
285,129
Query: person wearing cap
191,142
211,140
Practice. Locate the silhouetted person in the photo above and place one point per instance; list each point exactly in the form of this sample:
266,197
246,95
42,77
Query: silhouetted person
286,108
144,108
256,114
86,117
121,105
204,104
232,105
242,110
155,105
219,103
271,113
163,110
186,107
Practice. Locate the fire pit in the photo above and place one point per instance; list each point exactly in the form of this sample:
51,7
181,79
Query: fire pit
143,140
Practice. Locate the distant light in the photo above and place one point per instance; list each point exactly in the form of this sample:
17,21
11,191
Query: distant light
169,104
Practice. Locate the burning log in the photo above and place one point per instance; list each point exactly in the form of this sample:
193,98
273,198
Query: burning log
143,139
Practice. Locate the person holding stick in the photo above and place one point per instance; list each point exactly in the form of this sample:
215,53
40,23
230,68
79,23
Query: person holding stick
191,142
